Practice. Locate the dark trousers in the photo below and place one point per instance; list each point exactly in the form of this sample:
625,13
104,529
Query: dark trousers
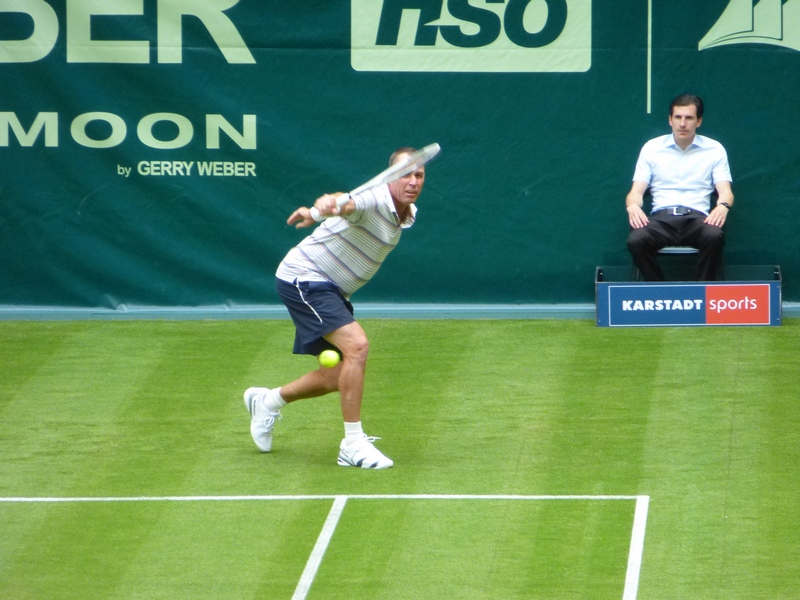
665,229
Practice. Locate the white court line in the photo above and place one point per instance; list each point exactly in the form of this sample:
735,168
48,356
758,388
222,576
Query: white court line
301,591
45,499
637,548
634,556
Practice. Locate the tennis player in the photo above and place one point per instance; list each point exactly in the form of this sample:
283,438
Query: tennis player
315,281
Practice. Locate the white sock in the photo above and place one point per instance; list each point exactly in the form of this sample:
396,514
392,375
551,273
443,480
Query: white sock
353,432
274,401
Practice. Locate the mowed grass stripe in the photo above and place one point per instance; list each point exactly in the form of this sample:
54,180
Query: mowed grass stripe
434,388
25,347
67,414
163,550
485,388
407,549
595,413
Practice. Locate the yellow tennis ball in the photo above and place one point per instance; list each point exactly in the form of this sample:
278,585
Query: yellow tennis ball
329,358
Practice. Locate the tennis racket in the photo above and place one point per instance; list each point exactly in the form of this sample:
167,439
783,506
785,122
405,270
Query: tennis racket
410,163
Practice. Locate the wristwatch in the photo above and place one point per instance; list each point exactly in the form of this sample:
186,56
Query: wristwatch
725,204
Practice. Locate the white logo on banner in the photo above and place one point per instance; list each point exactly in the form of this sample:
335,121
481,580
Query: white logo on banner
775,22
83,48
472,35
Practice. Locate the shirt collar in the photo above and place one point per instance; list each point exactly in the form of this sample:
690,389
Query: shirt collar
410,217
697,142
412,213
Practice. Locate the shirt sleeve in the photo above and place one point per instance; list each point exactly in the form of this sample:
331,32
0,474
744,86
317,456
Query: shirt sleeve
644,169
369,202
721,170
364,203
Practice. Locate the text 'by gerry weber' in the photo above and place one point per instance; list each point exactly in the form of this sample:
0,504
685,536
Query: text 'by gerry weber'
181,168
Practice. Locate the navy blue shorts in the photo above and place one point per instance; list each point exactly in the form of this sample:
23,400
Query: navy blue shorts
317,308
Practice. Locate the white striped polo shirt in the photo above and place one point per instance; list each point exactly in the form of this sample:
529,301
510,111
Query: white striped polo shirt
349,250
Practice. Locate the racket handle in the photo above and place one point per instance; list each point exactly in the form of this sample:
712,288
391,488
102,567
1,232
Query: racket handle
340,202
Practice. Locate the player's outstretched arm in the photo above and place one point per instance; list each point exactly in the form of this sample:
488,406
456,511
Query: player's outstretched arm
326,206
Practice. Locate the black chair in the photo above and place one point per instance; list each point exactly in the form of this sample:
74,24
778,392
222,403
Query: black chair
681,267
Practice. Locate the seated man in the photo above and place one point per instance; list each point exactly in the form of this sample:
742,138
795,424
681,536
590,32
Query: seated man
682,170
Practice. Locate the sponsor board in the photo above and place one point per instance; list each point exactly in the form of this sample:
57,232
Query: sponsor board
688,304
500,36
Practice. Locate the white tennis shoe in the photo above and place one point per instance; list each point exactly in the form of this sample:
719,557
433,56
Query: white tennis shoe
363,454
262,419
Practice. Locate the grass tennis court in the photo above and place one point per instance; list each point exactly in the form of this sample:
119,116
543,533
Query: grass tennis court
487,422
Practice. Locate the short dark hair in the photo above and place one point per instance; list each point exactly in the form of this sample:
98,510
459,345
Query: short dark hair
404,150
688,100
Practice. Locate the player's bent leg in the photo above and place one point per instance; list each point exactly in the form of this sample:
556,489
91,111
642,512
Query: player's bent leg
359,452
313,384
352,342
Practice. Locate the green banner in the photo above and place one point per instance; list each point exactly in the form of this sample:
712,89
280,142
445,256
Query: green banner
152,150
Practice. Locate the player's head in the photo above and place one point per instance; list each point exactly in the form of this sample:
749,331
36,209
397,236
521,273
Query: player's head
688,100
406,190
398,154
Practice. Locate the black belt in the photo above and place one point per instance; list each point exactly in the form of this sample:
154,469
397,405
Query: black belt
677,211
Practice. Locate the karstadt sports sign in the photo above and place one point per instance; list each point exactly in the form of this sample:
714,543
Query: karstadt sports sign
687,304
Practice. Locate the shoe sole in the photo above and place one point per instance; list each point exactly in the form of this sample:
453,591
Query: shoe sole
360,464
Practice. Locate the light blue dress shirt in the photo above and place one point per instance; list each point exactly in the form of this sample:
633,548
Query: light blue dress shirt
682,177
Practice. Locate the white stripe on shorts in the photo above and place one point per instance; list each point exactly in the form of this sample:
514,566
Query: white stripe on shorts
299,291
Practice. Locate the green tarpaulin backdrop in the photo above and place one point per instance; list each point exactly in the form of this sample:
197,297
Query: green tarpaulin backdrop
151,150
